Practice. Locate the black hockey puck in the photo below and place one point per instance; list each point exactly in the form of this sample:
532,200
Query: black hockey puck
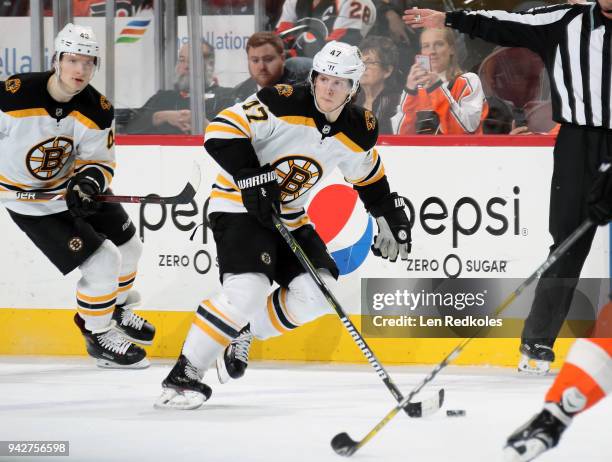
455,413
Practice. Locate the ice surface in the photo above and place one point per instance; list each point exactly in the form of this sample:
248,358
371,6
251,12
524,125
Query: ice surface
277,412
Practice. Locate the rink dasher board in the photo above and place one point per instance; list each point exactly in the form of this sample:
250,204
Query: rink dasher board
507,185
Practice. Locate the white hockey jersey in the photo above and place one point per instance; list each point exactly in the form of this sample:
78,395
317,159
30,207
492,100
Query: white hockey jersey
288,132
347,20
43,142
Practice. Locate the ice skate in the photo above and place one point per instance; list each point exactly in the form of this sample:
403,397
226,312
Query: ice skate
538,435
111,349
535,358
133,327
182,389
235,359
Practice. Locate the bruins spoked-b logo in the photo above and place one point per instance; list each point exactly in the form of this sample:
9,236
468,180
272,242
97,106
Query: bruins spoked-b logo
75,244
12,85
298,174
45,160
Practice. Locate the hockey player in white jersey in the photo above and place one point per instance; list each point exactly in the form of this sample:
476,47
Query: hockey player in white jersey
56,135
274,149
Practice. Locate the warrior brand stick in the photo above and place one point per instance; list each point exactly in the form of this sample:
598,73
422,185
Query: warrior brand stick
344,445
416,409
184,197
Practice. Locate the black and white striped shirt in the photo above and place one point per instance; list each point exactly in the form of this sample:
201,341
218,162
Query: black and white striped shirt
574,43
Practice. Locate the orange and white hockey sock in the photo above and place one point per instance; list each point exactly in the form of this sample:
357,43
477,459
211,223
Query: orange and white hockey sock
585,378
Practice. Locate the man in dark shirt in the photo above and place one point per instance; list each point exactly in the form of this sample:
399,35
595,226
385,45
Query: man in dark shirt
168,112
267,66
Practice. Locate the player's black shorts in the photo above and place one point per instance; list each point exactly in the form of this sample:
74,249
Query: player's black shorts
245,246
69,241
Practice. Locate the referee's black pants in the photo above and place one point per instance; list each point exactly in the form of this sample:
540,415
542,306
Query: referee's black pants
577,155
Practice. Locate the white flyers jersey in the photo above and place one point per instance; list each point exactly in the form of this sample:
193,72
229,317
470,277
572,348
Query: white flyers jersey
354,14
44,142
340,16
289,133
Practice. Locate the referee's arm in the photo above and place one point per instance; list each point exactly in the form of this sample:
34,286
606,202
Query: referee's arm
534,30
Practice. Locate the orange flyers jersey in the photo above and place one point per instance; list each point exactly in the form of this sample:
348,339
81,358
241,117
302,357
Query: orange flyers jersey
460,106
289,133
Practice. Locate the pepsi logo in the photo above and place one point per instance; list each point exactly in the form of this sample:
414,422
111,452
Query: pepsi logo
343,224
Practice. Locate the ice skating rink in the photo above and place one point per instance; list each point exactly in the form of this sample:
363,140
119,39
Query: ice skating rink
277,412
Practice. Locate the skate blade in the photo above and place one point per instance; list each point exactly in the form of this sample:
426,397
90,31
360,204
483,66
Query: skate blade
534,367
222,374
530,449
106,364
511,455
181,400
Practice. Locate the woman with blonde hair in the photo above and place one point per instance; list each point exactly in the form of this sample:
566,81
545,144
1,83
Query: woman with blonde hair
439,97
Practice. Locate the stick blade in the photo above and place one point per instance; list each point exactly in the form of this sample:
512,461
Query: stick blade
343,444
426,407
191,188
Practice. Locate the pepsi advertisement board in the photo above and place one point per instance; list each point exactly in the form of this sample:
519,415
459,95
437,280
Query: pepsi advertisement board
476,212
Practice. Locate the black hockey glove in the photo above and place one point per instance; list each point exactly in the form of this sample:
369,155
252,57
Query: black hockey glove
260,192
393,236
600,197
79,195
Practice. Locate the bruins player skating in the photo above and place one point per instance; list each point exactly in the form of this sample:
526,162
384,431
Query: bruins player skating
275,148
56,135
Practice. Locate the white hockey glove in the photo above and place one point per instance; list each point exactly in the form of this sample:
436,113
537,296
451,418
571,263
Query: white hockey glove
393,236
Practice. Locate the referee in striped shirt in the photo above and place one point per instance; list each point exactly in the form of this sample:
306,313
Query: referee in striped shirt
574,41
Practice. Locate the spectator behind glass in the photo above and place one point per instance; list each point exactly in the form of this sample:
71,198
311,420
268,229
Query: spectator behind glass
267,66
500,119
168,112
346,20
443,100
389,24
380,87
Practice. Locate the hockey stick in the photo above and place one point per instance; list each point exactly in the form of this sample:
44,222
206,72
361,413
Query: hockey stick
184,197
416,409
344,445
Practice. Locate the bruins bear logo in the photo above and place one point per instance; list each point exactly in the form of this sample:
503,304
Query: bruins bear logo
298,174
370,120
12,85
106,105
284,90
47,159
